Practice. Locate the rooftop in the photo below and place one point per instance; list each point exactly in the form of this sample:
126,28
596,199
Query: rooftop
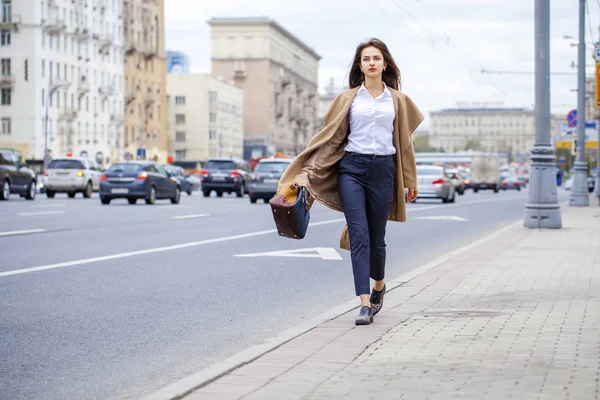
262,21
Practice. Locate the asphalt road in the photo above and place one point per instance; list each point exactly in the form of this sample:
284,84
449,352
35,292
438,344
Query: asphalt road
119,301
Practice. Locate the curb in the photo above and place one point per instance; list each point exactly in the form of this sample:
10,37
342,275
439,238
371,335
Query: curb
205,376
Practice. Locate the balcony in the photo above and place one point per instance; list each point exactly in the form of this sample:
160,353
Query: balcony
9,20
81,33
149,99
148,50
7,81
129,97
53,26
83,87
68,114
130,46
279,109
105,42
106,90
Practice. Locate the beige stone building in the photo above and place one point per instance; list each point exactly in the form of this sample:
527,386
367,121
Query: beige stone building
504,130
145,89
205,117
278,74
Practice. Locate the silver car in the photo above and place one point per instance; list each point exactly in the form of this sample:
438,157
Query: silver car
434,183
265,178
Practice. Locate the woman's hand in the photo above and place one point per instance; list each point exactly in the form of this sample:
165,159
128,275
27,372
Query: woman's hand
412,194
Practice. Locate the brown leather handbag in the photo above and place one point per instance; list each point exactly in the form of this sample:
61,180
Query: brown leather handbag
291,215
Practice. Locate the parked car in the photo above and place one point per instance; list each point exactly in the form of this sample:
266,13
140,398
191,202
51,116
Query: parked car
72,176
265,178
15,178
225,175
457,180
511,182
188,184
138,180
434,183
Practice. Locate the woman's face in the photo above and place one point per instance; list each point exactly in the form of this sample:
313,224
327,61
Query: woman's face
371,62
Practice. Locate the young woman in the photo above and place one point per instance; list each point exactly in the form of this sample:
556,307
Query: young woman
360,164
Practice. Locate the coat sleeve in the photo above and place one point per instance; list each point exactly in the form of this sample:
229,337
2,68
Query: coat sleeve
414,118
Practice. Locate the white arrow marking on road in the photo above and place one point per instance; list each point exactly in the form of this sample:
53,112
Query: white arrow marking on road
444,218
325,253
191,216
40,213
22,232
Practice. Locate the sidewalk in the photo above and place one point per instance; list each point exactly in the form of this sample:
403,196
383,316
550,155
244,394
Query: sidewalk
517,316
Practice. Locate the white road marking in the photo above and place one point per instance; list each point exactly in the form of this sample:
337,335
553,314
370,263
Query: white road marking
28,214
182,246
325,253
191,216
443,218
22,232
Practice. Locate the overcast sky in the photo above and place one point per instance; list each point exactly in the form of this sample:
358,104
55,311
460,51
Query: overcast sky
440,46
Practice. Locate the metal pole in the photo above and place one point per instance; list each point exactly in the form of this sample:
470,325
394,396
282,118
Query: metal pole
542,209
46,131
579,191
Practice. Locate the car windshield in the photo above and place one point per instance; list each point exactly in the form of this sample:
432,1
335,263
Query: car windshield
174,170
65,164
221,165
272,167
126,168
429,171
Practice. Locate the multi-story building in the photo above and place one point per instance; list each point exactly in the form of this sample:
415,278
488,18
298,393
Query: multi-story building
503,130
145,130
61,60
205,117
325,100
278,74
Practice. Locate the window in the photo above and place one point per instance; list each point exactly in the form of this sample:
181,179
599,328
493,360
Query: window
179,155
212,117
212,98
212,134
180,136
43,97
5,126
180,100
5,97
6,66
5,37
180,118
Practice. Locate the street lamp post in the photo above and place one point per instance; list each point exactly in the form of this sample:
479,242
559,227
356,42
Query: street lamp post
579,190
542,209
52,88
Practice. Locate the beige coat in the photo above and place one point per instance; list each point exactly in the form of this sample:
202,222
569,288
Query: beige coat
316,167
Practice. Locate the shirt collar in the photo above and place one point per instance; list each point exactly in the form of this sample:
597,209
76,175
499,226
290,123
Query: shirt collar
386,90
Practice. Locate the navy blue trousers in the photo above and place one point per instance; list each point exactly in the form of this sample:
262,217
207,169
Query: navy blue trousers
366,187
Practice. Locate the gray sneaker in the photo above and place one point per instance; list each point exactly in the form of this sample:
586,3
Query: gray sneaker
365,316
377,300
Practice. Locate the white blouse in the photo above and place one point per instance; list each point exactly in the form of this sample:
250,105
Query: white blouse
372,123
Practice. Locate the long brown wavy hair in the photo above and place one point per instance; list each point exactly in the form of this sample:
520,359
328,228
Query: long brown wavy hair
391,75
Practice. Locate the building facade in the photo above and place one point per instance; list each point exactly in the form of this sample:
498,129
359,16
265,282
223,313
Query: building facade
279,76
502,130
205,117
61,59
145,122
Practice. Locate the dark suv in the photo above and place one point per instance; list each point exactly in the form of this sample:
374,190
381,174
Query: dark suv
225,175
14,178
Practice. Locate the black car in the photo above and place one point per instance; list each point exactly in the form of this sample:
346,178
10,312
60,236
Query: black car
15,178
225,175
138,180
